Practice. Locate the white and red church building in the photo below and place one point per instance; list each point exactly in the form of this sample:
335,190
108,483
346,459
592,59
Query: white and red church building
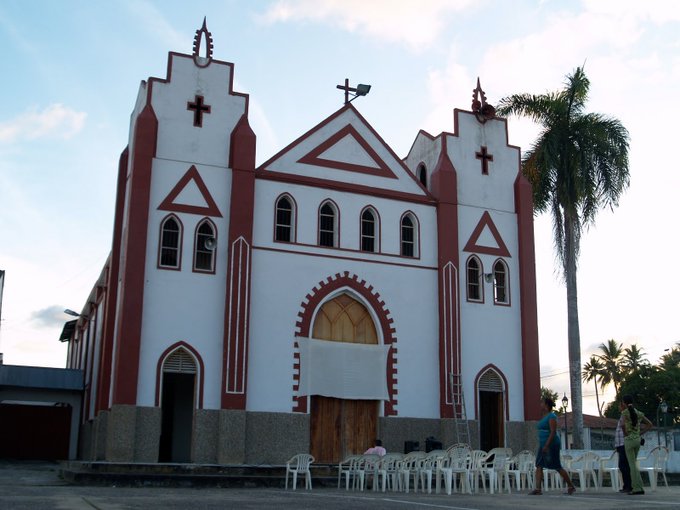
335,294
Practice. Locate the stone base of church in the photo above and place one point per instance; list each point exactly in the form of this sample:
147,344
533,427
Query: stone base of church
132,434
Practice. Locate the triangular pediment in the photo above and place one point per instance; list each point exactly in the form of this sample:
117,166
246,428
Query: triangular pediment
346,150
486,238
190,195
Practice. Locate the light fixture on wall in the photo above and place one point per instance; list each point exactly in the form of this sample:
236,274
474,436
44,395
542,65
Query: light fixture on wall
488,277
71,313
210,243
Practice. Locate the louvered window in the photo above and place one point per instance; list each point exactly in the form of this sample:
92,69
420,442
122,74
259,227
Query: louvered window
180,361
490,381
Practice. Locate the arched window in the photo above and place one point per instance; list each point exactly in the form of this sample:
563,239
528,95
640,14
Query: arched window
169,255
328,232
409,236
369,229
501,293
204,247
284,220
474,280
422,175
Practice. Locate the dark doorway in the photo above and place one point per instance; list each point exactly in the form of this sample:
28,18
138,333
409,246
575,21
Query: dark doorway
177,406
35,432
491,421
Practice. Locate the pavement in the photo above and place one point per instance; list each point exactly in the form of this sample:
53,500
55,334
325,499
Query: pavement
35,485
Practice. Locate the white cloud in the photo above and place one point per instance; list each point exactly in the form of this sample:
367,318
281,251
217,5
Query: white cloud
55,121
416,24
48,317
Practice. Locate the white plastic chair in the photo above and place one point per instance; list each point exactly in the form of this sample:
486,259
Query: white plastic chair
476,464
552,478
388,470
454,467
365,467
299,465
654,464
495,470
521,469
585,466
428,468
346,469
409,467
610,466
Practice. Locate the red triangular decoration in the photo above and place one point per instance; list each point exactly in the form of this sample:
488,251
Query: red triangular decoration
192,175
313,157
473,246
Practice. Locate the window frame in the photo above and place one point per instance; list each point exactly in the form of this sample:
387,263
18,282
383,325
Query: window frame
375,237
416,235
213,258
469,283
506,286
421,174
293,219
336,224
178,248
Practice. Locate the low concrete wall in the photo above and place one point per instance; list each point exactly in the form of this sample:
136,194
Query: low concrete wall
273,438
132,434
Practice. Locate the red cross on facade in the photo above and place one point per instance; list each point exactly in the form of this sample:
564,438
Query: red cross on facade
199,109
485,157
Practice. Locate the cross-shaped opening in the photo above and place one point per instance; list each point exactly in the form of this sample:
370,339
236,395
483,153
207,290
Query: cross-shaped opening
485,158
199,108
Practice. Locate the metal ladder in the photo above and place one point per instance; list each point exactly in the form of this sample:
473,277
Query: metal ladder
461,425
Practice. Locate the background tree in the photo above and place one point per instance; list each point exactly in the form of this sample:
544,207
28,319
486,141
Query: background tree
552,395
610,357
578,164
592,371
633,358
650,385
671,359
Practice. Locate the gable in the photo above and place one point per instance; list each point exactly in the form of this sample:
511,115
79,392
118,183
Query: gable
486,238
348,150
345,151
190,195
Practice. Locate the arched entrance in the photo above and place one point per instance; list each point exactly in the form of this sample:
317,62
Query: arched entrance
177,406
491,405
341,427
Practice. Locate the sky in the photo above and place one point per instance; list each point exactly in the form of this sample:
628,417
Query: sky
71,71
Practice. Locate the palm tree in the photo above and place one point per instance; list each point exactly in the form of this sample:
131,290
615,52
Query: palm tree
611,359
633,358
592,371
578,164
671,359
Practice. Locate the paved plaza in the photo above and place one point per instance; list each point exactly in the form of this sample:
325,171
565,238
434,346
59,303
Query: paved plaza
38,486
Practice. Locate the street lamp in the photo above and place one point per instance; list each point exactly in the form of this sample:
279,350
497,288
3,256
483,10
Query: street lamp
663,408
565,403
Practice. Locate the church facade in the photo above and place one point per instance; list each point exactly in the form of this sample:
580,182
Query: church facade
332,295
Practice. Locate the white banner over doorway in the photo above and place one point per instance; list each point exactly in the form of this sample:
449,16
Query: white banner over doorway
343,370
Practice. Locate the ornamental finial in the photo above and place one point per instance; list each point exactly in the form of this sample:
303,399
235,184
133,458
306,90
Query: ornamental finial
483,110
203,31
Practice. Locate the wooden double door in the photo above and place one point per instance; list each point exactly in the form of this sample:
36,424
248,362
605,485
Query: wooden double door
341,427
